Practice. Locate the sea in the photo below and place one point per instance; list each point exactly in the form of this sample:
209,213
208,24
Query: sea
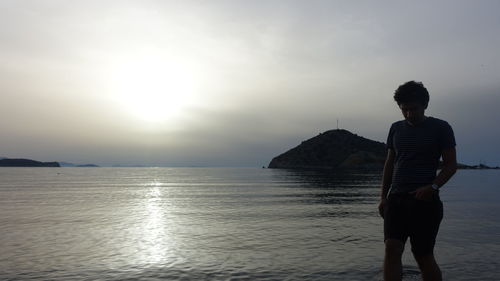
227,224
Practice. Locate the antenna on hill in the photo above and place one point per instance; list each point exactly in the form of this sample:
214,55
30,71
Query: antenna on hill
337,123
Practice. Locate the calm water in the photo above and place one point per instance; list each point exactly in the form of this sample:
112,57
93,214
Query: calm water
225,224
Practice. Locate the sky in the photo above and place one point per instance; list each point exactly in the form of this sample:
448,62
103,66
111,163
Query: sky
235,83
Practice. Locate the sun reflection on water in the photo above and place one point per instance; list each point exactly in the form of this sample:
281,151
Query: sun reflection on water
155,243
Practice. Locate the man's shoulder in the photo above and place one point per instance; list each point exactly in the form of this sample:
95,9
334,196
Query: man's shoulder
437,122
397,124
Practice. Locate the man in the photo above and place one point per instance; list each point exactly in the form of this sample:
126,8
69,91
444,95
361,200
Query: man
410,203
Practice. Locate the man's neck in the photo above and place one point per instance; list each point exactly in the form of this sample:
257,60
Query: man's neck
417,122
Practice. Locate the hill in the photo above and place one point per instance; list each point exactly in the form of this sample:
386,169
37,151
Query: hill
333,149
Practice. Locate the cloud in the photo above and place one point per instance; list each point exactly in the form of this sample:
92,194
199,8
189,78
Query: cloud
273,74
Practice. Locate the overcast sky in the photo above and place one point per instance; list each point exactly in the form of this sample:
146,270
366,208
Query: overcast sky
235,83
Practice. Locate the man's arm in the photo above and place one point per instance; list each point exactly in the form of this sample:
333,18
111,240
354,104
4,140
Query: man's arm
386,180
447,171
449,166
387,174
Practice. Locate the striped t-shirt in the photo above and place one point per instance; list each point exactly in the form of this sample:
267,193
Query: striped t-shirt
418,150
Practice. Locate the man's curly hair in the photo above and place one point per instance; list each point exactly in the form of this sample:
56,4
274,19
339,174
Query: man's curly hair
412,91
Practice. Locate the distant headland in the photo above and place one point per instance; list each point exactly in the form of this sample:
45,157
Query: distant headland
340,149
8,162
20,162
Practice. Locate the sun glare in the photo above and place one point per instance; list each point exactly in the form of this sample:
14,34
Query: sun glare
152,88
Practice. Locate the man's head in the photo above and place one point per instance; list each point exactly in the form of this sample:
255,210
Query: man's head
412,98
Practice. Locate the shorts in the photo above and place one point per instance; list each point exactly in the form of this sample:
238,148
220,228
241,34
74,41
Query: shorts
405,216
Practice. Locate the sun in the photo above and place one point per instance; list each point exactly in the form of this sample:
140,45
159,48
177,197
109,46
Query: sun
153,88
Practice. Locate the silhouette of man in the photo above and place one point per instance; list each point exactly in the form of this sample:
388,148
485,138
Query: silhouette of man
410,203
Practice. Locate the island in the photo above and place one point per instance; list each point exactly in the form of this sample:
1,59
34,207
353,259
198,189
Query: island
67,164
333,149
88,166
18,162
476,167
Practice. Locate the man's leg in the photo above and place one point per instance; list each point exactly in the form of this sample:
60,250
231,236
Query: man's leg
393,268
426,228
429,268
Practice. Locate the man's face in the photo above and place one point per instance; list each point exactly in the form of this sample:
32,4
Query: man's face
413,112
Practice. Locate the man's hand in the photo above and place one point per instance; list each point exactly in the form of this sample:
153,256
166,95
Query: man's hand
425,193
381,207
